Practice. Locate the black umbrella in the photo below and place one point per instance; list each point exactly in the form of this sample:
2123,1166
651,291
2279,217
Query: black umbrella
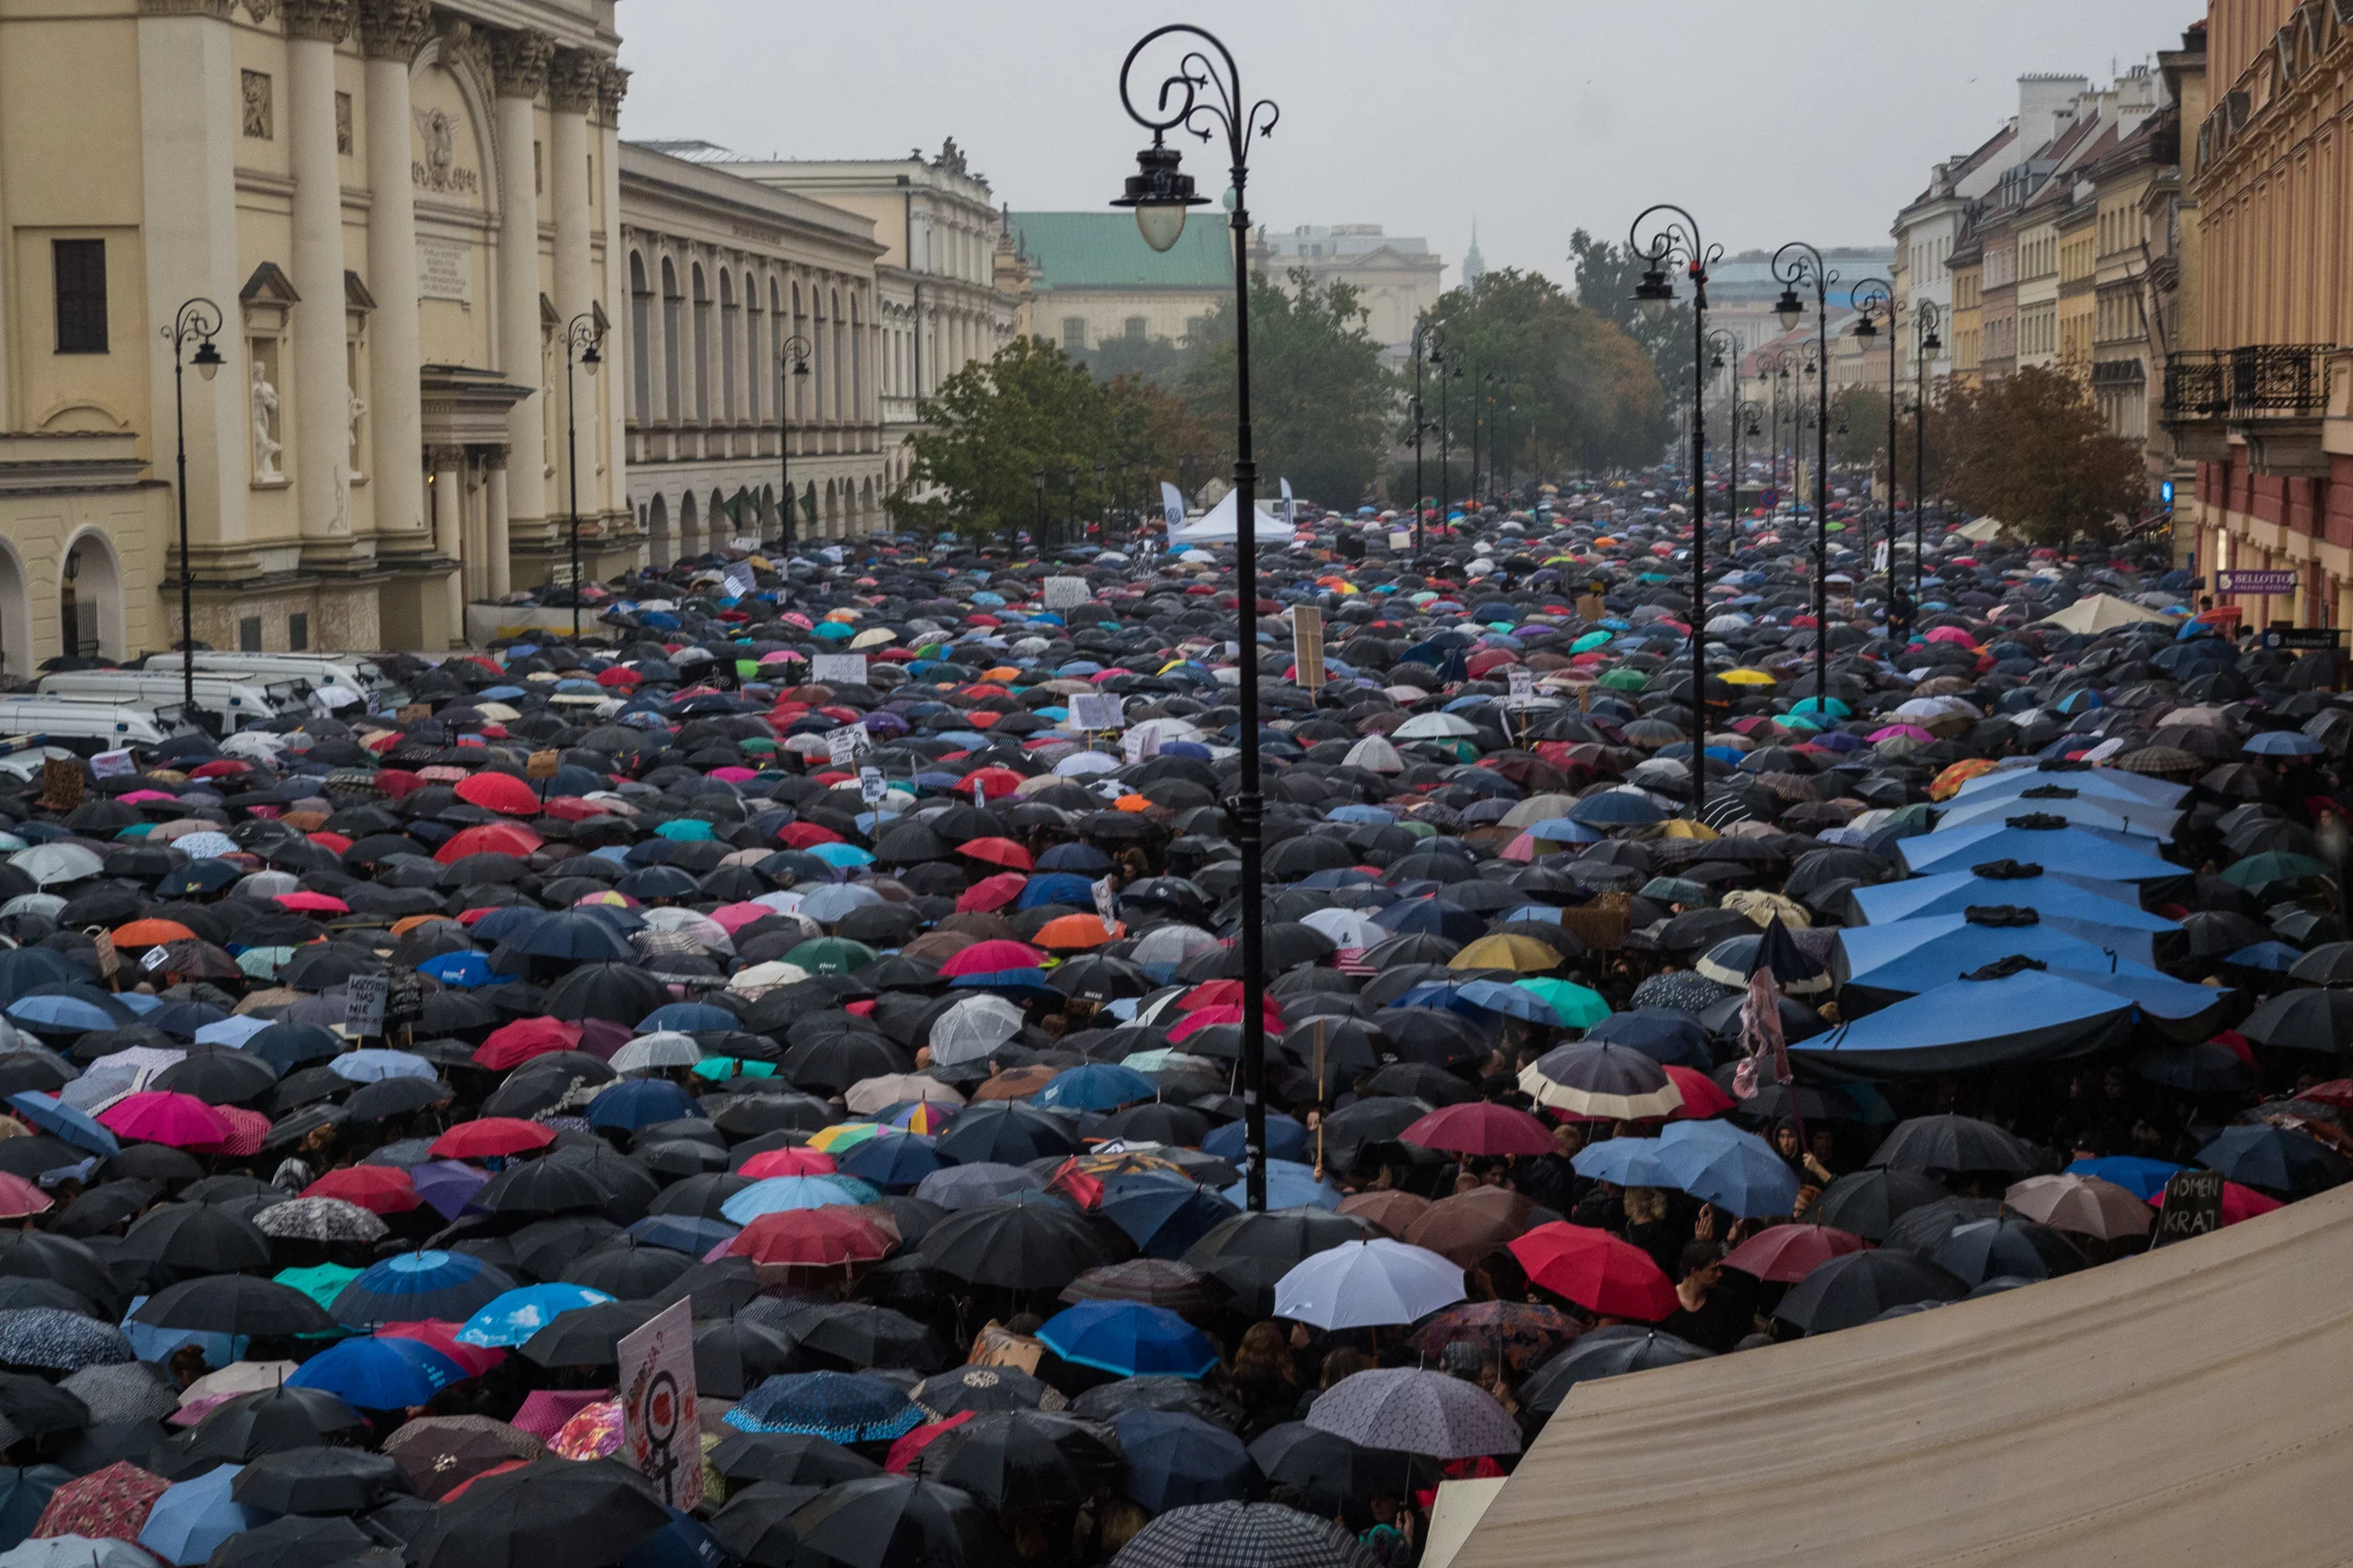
587,1336
1023,1459
198,1237
1856,1287
626,1268
1330,1471
733,1356
294,1541
1005,1131
246,1427
1028,1241
889,1522
980,1389
318,1481
36,1255
542,1186
1605,1353
1953,1143
235,1304
854,1336
35,1406
790,1458
1249,1252
1869,1202
2007,1246
757,1523
584,1515
2312,1020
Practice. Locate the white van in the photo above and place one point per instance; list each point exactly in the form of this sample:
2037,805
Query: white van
87,728
312,669
230,702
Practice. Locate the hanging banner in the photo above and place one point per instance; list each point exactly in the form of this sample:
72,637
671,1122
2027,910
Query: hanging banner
1172,505
1307,640
661,1425
1289,507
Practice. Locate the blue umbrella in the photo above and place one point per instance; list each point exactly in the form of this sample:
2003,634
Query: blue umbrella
1163,1215
1098,1085
465,970
639,1102
514,1315
379,1374
23,968
192,1518
683,1233
2013,1019
1625,1162
2273,955
2142,1178
1177,1460
1917,955
1064,888
1617,808
579,935
1289,1185
500,925
287,1045
413,1286
24,1493
2076,852
374,1066
51,1114
2105,914
1662,1034
2283,743
69,1013
847,1407
1473,997
1735,1171
2279,1159
688,1018
1128,1338
1286,1139
778,1193
901,1160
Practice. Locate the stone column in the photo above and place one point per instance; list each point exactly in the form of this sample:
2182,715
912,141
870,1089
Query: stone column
392,31
322,427
520,62
449,527
572,85
612,82
494,512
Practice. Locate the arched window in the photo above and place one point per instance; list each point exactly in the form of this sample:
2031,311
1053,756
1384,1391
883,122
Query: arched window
727,329
857,361
701,346
837,355
641,368
756,363
671,350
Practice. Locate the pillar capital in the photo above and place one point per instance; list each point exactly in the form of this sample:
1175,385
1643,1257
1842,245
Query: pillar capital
612,86
326,21
520,61
574,78
447,458
394,29
494,459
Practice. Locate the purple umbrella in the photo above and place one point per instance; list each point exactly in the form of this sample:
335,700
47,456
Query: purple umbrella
447,1184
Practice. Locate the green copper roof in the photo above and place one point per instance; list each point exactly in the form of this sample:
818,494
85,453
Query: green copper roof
1103,250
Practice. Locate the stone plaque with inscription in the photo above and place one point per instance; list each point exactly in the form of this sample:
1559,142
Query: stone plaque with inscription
445,270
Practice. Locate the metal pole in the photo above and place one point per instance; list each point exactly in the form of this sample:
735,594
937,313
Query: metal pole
1445,444
1822,501
1419,424
187,586
572,471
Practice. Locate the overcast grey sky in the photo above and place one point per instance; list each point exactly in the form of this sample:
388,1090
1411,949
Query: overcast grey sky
1802,118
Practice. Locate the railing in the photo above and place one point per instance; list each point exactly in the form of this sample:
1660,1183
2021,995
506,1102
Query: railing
2256,381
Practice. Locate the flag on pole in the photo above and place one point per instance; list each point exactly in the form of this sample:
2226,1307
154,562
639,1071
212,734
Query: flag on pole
1172,505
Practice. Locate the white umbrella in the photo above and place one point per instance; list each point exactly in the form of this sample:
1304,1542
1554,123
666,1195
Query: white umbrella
1347,928
972,1028
651,1053
869,1095
76,1551
50,864
766,976
1359,1284
1434,727
1078,763
1375,755
47,904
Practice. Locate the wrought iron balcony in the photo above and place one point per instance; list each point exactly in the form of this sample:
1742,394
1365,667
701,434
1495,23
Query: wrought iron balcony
2257,380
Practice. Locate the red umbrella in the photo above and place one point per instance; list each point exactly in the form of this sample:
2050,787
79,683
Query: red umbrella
380,1189
488,1135
987,957
1703,1097
114,1501
442,1336
998,852
908,1446
1481,1127
246,1129
803,835
500,792
811,1238
20,1199
511,1045
992,893
788,1163
1595,1270
1212,994
2238,1202
158,1116
1201,1018
995,782
1787,1253
489,838
314,903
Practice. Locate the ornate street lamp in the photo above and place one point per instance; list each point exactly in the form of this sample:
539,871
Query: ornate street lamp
1675,240
1874,301
196,322
1794,264
1925,318
792,366
580,341
1204,96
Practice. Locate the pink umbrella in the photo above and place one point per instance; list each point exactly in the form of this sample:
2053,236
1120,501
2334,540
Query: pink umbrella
314,903
733,918
161,1117
1951,635
1901,732
1523,849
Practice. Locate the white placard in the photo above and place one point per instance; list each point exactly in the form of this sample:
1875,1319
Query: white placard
152,959
1106,900
740,582
1140,744
112,764
744,542
1523,684
842,745
661,1424
1061,592
1094,710
1400,539
445,270
364,999
839,668
873,786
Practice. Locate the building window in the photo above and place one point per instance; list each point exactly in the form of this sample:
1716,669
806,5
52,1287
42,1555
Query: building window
1136,328
81,266
298,631
1075,332
259,117
248,635
1193,325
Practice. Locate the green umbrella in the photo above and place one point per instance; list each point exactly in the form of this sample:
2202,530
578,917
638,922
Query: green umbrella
1625,680
322,1285
1577,1007
1817,705
1589,641
2271,865
830,955
264,963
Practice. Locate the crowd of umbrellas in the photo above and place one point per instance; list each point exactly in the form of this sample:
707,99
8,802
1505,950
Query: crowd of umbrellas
370,1077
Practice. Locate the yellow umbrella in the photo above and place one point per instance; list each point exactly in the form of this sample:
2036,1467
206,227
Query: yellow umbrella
1684,827
1748,678
1502,950
875,637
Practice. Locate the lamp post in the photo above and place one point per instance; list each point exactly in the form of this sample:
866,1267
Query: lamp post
792,364
1070,532
1720,344
1876,297
580,341
1448,372
1102,500
1675,240
1421,424
1926,320
1204,96
1037,522
1796,263
197,321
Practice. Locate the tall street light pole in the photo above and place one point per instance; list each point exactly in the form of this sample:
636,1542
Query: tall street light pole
1874,301
580,341
196,321
792,368
1421,424
1926,320
1204,96
1447,376
1794,264
1674,241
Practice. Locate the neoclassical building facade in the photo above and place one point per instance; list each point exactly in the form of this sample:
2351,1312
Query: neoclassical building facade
753,323
397,209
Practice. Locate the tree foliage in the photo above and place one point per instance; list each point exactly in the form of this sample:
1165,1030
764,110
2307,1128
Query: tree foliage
2032,450
1606,276
994,424
1573,391
1321,400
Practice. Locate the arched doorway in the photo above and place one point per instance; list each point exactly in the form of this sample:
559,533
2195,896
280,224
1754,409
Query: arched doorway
689,526
90,599
659,543
15,615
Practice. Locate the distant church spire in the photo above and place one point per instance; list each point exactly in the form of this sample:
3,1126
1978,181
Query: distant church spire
1474,266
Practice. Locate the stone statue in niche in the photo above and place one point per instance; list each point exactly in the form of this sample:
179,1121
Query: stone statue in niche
266,445
358,411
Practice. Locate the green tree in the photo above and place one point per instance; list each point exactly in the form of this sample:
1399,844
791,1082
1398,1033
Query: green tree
1859,429
1154,360
1321,401
2032,450
1606,276
1580,392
